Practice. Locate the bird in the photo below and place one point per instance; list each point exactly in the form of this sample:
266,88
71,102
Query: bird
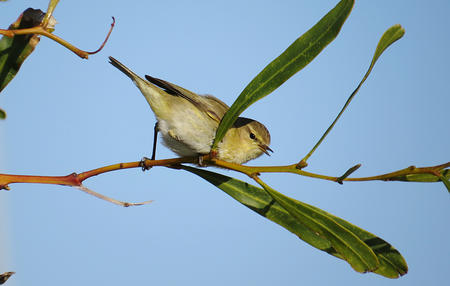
188,121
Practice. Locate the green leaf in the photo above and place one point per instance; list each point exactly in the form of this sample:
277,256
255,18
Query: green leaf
348,245
261,202
446,182
392,264
423,178
305,221
2,114
14,51
293,59
391,35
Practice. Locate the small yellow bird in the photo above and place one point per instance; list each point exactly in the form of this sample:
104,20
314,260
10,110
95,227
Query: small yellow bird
188,121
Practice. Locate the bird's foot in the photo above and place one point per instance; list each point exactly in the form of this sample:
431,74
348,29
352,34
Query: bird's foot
143,165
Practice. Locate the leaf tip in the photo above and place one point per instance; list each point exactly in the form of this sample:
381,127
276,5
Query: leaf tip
400,31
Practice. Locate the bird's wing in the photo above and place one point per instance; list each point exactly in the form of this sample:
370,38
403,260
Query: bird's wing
209,104
216,106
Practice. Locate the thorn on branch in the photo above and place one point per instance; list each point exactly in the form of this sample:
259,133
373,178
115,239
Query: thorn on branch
347,173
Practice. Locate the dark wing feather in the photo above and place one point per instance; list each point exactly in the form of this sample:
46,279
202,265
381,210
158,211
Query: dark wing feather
212,106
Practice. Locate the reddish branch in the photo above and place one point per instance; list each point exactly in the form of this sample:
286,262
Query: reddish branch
76,180
439,172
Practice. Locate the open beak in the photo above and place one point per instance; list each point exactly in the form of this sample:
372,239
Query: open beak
265,149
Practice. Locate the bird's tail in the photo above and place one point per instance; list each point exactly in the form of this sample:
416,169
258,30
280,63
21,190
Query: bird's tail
155,96
124,69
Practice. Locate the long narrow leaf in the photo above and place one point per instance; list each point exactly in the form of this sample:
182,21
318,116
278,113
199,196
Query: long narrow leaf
391,35
261,202
14,51
392,264
348,245
294,58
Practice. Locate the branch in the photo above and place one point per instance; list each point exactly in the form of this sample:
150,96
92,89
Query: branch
76,180
41,30
411,174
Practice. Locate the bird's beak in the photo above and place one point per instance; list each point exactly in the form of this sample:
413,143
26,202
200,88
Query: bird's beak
265,149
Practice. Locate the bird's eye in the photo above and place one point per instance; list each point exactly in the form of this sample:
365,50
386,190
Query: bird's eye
252,136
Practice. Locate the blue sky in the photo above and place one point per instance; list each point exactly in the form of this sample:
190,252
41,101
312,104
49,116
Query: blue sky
71,115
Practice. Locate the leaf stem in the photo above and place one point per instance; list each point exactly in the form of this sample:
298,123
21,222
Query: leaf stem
51,7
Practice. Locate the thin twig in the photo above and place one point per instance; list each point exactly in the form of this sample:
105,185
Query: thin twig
106,39
111,200
41,31
396,175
